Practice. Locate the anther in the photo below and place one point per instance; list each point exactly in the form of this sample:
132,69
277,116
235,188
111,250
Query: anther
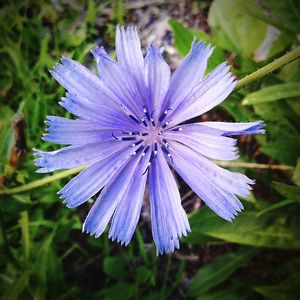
134,119
146,113
177,129
137,151
166,124
165,142
163,115
137,143
144,122
166,152
126,138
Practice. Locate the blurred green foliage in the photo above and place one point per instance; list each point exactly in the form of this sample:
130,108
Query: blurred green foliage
43,254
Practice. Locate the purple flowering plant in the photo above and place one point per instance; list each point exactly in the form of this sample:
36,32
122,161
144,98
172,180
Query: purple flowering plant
130,128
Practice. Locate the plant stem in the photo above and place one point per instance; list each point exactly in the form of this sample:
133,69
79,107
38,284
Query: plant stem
228,164
276,64
40,182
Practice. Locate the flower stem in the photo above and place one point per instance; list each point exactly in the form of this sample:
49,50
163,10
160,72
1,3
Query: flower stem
276,64
40,182
228,164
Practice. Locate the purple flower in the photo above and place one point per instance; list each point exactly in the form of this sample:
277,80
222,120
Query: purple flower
126,130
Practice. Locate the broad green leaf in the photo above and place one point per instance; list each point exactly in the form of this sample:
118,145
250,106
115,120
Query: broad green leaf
121,290
218,271
273,93
288,191
279,292
269,230
183,40
277,205
114,266
287,13
234,29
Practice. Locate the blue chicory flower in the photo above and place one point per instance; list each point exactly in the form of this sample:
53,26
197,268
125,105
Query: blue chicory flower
126,130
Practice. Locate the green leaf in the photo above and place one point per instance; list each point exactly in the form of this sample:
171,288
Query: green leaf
114,267
183,39
296,175
279,292
218,271
277,205
234,28
273,93
14,291
269,230
288,191
287,13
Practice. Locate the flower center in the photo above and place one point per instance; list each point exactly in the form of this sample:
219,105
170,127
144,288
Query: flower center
149,137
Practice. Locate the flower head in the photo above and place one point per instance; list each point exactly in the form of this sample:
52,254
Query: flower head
126,130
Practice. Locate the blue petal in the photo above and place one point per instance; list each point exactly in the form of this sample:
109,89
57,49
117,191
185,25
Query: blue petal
213,90
79,80
157,78
75,156
117,79
168,218
130,57
109,199
92,179
73,132
217,187
188,74
102,115
213,146
127,214
228,129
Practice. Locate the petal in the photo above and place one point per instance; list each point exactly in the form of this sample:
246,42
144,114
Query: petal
216,147
102,115
213,90
216,186
227,128
117,79
157,78
75,156
79,80
73,132
109,199
128,212
130,57
92,179
188,74
168,218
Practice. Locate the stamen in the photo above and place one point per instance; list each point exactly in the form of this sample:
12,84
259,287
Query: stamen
163,115
166,152
137,143
137,151
152,157
166,124
152,120
144,122
130,115
177,129
166,143
146,113
134,119
126,138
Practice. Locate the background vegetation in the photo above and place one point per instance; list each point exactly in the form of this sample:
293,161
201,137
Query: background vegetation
44,255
